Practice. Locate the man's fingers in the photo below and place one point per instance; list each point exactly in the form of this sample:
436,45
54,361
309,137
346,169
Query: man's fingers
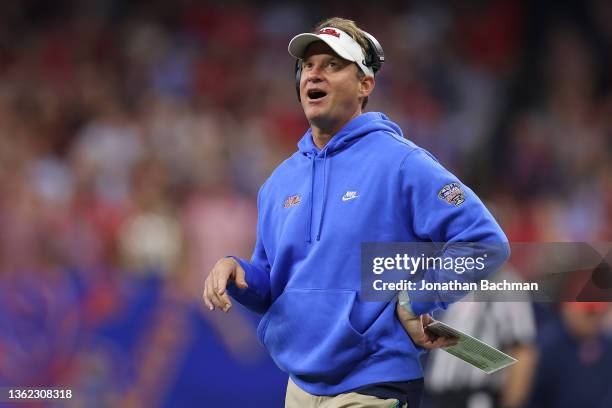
423,343
426,343
427,319
215,295
221,282
235,273
208,303
225,302
219,276
212,296
419,336
438,342
219,291
450,341
215,300
240,278
445,342
435,340
208,295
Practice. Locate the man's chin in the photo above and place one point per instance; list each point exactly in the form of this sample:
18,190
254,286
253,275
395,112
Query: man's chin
314,115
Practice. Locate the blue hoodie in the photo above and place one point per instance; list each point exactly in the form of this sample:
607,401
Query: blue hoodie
368,184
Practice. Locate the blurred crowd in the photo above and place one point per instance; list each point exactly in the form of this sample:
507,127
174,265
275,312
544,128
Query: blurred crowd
134,135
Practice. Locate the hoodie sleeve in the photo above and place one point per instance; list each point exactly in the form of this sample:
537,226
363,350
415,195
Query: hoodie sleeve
256,297
443,210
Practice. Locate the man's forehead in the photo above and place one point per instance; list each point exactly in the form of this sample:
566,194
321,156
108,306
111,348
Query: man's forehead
319,47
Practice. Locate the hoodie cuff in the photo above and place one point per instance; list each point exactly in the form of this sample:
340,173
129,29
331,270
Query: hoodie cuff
256,295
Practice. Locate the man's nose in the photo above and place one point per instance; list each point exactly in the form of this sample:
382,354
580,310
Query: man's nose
314,74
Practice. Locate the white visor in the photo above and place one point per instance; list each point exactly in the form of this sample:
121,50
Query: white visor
339,41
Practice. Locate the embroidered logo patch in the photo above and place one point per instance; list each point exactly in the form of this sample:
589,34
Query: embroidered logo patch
292,200
452,194
349,195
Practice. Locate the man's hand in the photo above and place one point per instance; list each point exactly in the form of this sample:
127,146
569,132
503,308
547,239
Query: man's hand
415,327
224,271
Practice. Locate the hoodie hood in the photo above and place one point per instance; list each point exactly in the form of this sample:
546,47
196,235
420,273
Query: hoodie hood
351,132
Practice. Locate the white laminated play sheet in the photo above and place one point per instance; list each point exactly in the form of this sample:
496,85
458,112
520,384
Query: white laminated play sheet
471,350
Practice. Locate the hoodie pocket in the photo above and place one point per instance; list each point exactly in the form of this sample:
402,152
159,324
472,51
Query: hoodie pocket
308,333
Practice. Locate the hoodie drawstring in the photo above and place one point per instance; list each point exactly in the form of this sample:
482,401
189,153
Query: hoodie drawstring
313,157
310,198
357,128
324,194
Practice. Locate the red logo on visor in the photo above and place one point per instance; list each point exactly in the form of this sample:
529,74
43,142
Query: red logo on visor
329,31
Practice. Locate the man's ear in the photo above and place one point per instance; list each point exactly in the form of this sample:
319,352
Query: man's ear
366,86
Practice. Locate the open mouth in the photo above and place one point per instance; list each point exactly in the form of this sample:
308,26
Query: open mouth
315,94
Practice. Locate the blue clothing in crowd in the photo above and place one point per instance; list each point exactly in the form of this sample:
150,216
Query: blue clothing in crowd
572,372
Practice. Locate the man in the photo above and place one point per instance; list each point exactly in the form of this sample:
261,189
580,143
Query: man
354,179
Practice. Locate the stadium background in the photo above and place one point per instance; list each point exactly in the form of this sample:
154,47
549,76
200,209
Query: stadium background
134,137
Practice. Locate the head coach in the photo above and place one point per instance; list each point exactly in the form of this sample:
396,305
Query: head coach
354,179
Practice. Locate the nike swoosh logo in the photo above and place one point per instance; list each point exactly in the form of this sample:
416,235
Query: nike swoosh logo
345,198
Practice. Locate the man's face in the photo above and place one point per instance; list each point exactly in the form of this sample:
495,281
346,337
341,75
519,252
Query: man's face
330,88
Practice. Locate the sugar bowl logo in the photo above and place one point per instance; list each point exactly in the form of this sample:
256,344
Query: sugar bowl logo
292,200
452,194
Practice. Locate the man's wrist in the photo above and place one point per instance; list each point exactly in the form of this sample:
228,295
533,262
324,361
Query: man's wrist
404,301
